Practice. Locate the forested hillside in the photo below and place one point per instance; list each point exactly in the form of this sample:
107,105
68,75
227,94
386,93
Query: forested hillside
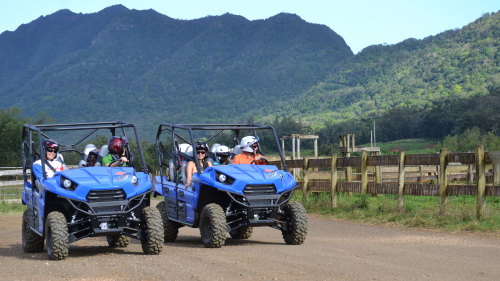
145,67
455,64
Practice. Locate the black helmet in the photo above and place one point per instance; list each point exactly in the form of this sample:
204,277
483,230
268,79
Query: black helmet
50,143
201,146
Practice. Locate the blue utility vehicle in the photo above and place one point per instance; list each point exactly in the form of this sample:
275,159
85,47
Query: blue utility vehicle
86,199
230,198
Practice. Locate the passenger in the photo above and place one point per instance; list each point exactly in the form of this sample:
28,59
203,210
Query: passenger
117,147
92,158
52,165
249,155
222,154
202,155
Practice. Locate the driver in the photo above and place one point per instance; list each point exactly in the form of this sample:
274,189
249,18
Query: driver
52,165
249,147
117,147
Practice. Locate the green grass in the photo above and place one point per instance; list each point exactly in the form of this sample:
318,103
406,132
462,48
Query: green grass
409,146
420,211
6,208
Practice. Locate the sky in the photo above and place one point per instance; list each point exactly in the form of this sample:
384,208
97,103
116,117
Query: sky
360,22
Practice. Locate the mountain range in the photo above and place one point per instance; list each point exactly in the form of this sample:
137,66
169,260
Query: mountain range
145,67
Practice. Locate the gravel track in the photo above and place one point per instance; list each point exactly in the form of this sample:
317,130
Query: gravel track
333,250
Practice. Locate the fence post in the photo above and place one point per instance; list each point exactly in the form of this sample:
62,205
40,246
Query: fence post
496,174
443,180
364,172
334,181
401,181
378,171
305,178
348,171
481,182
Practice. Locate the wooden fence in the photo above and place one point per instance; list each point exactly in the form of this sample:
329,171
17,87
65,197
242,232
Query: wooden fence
413,174
440,183
11,183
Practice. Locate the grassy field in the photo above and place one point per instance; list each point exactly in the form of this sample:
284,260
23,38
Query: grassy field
410,146
9,207
420,211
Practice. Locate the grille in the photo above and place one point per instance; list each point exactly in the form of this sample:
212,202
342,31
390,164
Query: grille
106,195
267,189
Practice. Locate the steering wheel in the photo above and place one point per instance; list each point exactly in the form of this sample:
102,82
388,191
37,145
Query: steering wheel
120,159
255,162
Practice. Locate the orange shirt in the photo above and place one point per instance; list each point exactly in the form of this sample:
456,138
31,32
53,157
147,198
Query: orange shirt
244,158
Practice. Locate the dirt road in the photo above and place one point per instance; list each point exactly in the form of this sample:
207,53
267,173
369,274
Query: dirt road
334,250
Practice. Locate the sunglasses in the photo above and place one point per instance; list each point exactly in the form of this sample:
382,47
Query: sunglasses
200,152
51,150
255,146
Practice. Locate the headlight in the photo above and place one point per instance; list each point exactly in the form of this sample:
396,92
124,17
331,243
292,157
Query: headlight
134,179
68,184
222,178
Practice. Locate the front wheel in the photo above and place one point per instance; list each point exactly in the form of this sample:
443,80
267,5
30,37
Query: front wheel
118,241
56,236
241,233
294,228
151,231
213,226
32,242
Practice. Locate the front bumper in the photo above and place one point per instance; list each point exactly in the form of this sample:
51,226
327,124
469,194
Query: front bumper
104,218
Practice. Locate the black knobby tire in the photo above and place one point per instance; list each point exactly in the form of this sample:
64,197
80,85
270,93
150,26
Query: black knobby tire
294,229
118,241
32,242
56,236
170,228
242,232
213,226
152,231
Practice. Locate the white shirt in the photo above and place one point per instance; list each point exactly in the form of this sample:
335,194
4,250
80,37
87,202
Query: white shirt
57,165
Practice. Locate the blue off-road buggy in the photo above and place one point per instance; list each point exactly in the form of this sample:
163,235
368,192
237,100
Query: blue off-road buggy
86,199
230,198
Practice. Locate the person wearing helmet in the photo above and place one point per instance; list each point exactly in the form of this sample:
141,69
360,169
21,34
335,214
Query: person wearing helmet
201,157
222,154
249,147
117,147
52,165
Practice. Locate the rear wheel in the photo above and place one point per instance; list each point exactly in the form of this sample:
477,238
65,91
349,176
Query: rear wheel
32,242
170,228
241,233
213,226
151,231
294,228
118,241
56,236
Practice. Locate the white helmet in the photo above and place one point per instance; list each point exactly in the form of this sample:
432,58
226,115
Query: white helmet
222,152
247,142
186,149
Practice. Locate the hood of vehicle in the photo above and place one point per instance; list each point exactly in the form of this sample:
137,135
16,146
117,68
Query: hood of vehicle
100,176
246,174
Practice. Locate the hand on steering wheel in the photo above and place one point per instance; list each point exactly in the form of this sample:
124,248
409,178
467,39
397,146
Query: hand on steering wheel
121,159
254,162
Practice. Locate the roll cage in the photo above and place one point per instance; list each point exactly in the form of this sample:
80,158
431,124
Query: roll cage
41,131
174,129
